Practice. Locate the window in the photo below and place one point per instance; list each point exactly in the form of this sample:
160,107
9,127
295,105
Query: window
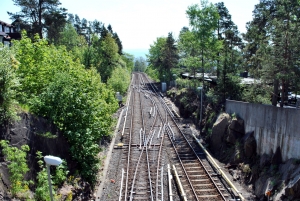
6,29
6,43
1,27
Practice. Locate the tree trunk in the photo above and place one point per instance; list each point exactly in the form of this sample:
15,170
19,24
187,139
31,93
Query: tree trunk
40,29
282,93
275,92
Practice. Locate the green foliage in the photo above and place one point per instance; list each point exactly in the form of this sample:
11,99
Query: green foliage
233,116
17,166
40,16
155,56
186,83
256,93
129,60
38,64
57,86
73,42
81,106
61,173
203,21
212,97
152,72
170,56
60,176
8,84
120,80
229,87
106,57
48,135
163,56
272,52
42,186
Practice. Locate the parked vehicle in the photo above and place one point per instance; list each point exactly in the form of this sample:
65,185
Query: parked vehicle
292,98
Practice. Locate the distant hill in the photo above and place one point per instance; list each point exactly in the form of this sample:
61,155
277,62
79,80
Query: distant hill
137,52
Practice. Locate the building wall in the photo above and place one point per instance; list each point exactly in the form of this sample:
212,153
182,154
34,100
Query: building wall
273,127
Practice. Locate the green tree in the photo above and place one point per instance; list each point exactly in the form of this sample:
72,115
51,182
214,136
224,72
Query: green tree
9,83
204,22
170,56
38,16
120,80
73,42
272,44
107,51
155,56
229,57
129,60
189,49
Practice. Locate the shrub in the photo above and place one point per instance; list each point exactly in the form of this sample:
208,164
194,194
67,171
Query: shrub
8,84
17,166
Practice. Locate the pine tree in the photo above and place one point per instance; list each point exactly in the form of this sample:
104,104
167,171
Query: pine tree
170,55
38,16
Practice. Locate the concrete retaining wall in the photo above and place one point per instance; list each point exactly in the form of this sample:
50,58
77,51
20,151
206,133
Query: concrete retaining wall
273,127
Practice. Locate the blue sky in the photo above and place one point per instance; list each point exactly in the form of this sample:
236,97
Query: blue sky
139,22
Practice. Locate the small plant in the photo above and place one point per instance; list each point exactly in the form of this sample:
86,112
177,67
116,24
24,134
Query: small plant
69,197
233,116
209,132
246,168
17,166
42,190
61,173
48,135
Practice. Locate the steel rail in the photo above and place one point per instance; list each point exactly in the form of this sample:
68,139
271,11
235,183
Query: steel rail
130,134
160,147
181,163
130,139
191,149
199,160
141,154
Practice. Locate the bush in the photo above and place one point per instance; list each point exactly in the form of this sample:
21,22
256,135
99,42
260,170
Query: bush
17,167
8,84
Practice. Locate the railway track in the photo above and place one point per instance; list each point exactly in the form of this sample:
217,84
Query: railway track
154,147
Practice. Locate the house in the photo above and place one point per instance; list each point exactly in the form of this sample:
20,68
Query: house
8,32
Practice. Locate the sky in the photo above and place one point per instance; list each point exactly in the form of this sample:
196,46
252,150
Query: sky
139,23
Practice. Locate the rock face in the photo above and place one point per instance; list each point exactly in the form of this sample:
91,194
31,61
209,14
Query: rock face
218,132
249,145
40,135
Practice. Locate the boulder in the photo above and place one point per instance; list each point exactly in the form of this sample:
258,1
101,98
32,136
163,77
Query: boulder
249,144
218,132
236,131
262,185
293,187
237,125
232,136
